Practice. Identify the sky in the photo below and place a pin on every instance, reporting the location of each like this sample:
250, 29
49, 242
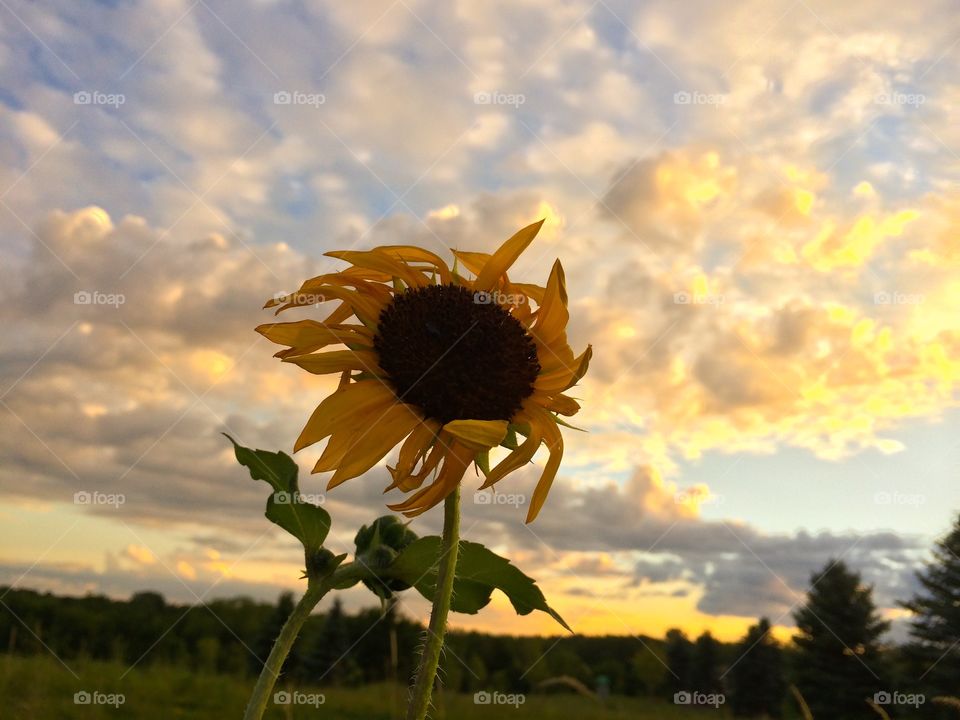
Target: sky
756, 205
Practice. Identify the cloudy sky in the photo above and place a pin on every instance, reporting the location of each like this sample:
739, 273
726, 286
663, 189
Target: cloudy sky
755, 202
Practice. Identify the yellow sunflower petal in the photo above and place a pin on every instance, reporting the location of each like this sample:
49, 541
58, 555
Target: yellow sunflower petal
413, 449
566, 377
553, 316
559, 403
556, 356
457, 458
337, 361
415, 480
340, 441
554, 441
339, 314
365, 305
534, 292
375, 441
314, 335
342, 408
582, 364
367, 300
381, 262
472, 261
505, 256
478, 434
411, 253
516, 459
524, 315
310, 291
362, 273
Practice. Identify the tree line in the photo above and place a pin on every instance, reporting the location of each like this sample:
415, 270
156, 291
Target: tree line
837, 659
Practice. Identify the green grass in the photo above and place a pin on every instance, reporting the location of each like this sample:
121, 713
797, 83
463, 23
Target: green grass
40, 688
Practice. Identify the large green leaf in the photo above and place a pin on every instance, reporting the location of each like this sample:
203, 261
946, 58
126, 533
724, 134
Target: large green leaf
479, 571
277, 468
307, 522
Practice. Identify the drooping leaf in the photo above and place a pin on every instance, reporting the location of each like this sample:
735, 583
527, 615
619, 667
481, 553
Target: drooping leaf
479, 572
307, 522
277, 468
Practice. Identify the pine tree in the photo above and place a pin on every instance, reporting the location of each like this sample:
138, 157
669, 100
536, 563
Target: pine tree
934, 650
679, 661
756, 681
705, 668
839, 665
330, 661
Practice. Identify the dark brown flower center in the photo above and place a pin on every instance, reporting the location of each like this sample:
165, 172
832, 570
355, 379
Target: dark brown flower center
455, 354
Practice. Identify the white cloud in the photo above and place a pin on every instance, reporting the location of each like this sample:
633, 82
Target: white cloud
745, 202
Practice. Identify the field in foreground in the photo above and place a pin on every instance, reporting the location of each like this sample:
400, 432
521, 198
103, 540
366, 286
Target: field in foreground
41, 688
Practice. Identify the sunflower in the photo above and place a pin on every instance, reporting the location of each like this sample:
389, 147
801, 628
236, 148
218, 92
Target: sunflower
444, 366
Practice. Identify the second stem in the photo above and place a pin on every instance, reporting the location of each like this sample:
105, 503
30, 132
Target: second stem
430, 658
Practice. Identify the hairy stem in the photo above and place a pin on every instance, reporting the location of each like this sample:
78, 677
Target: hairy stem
316, 589
430, 657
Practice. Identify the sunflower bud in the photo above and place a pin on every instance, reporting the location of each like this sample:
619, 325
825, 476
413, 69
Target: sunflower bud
378, 545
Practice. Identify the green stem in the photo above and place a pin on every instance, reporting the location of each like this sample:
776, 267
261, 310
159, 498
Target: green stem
430, 658
316, 589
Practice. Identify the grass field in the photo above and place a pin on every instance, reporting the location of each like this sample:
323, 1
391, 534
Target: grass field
40, 688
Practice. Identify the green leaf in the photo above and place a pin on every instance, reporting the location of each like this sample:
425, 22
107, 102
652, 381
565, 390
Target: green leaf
482, 460
307, 522
479, 572
277, 468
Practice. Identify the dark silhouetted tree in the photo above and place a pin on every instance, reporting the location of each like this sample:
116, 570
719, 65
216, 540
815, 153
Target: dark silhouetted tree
839, 665
679, 661
755, 680
705, 668
934, 649
329, 661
